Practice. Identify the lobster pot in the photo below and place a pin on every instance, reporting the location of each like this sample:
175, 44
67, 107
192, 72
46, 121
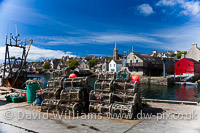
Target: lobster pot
49, 105
107, 76
55, 82
131, 88
105, 86
119, 98
74, 95
71, 108
100, 97
67, 83
45, 94
122, 76
127, 111
125, 87
97, 85
75, 82
124, 98
52, 93
102, 108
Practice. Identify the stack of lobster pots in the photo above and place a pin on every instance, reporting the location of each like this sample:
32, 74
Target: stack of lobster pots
66, 95
115, 95
74, 98
51, 95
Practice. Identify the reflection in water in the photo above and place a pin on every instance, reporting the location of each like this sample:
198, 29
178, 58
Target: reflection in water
183, 93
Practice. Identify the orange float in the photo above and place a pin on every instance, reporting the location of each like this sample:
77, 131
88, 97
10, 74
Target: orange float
72, 76
135, 78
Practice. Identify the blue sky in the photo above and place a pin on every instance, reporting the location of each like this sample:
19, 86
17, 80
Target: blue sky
91, 27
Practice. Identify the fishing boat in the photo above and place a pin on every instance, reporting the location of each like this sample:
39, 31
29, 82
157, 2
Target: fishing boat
186, 83
192, 84
14, 72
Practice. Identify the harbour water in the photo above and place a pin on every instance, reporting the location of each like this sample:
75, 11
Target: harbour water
174, 92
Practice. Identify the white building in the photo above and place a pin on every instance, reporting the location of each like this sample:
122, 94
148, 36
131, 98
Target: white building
115, 66
176, 52
194, 53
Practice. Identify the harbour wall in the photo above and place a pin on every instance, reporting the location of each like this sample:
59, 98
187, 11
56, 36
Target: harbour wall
156, 80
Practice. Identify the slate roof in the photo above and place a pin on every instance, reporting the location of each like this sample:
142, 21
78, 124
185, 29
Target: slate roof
118, 61
192, 60
149, 58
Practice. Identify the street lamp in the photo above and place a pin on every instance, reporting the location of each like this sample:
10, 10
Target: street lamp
164, 63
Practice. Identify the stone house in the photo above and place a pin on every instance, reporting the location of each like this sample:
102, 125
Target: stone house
37, 67
54, 64
105, 66
194, 53
147, 65
83, 65
60, 67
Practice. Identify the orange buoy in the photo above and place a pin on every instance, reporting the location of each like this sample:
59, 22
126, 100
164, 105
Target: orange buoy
72, 76
135, 78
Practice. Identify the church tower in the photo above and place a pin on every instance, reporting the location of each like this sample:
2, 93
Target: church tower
115, 53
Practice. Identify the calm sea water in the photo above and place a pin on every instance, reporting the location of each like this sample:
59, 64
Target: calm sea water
183, 93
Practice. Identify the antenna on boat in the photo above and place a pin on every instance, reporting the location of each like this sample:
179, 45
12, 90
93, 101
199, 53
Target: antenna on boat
16, 29
7, 29
7, 33
17, 35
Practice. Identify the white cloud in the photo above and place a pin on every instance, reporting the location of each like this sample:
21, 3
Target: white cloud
188, 7
192, 7
97, 38
36, 53
110, 38
166, 3
179, 38
145, 9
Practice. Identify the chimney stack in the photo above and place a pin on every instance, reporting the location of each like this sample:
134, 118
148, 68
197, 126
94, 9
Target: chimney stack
182, 56
194, 45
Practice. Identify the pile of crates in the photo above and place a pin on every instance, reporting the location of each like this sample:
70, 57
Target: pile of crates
66, 95
115, 95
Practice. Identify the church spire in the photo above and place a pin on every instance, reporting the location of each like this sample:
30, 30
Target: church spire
115, 53
115, 46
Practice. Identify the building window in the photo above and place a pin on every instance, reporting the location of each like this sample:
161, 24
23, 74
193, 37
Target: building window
189, 64
137, 70
110, 65
131, 61
178, 64
185, 70
136, 61
114, 65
